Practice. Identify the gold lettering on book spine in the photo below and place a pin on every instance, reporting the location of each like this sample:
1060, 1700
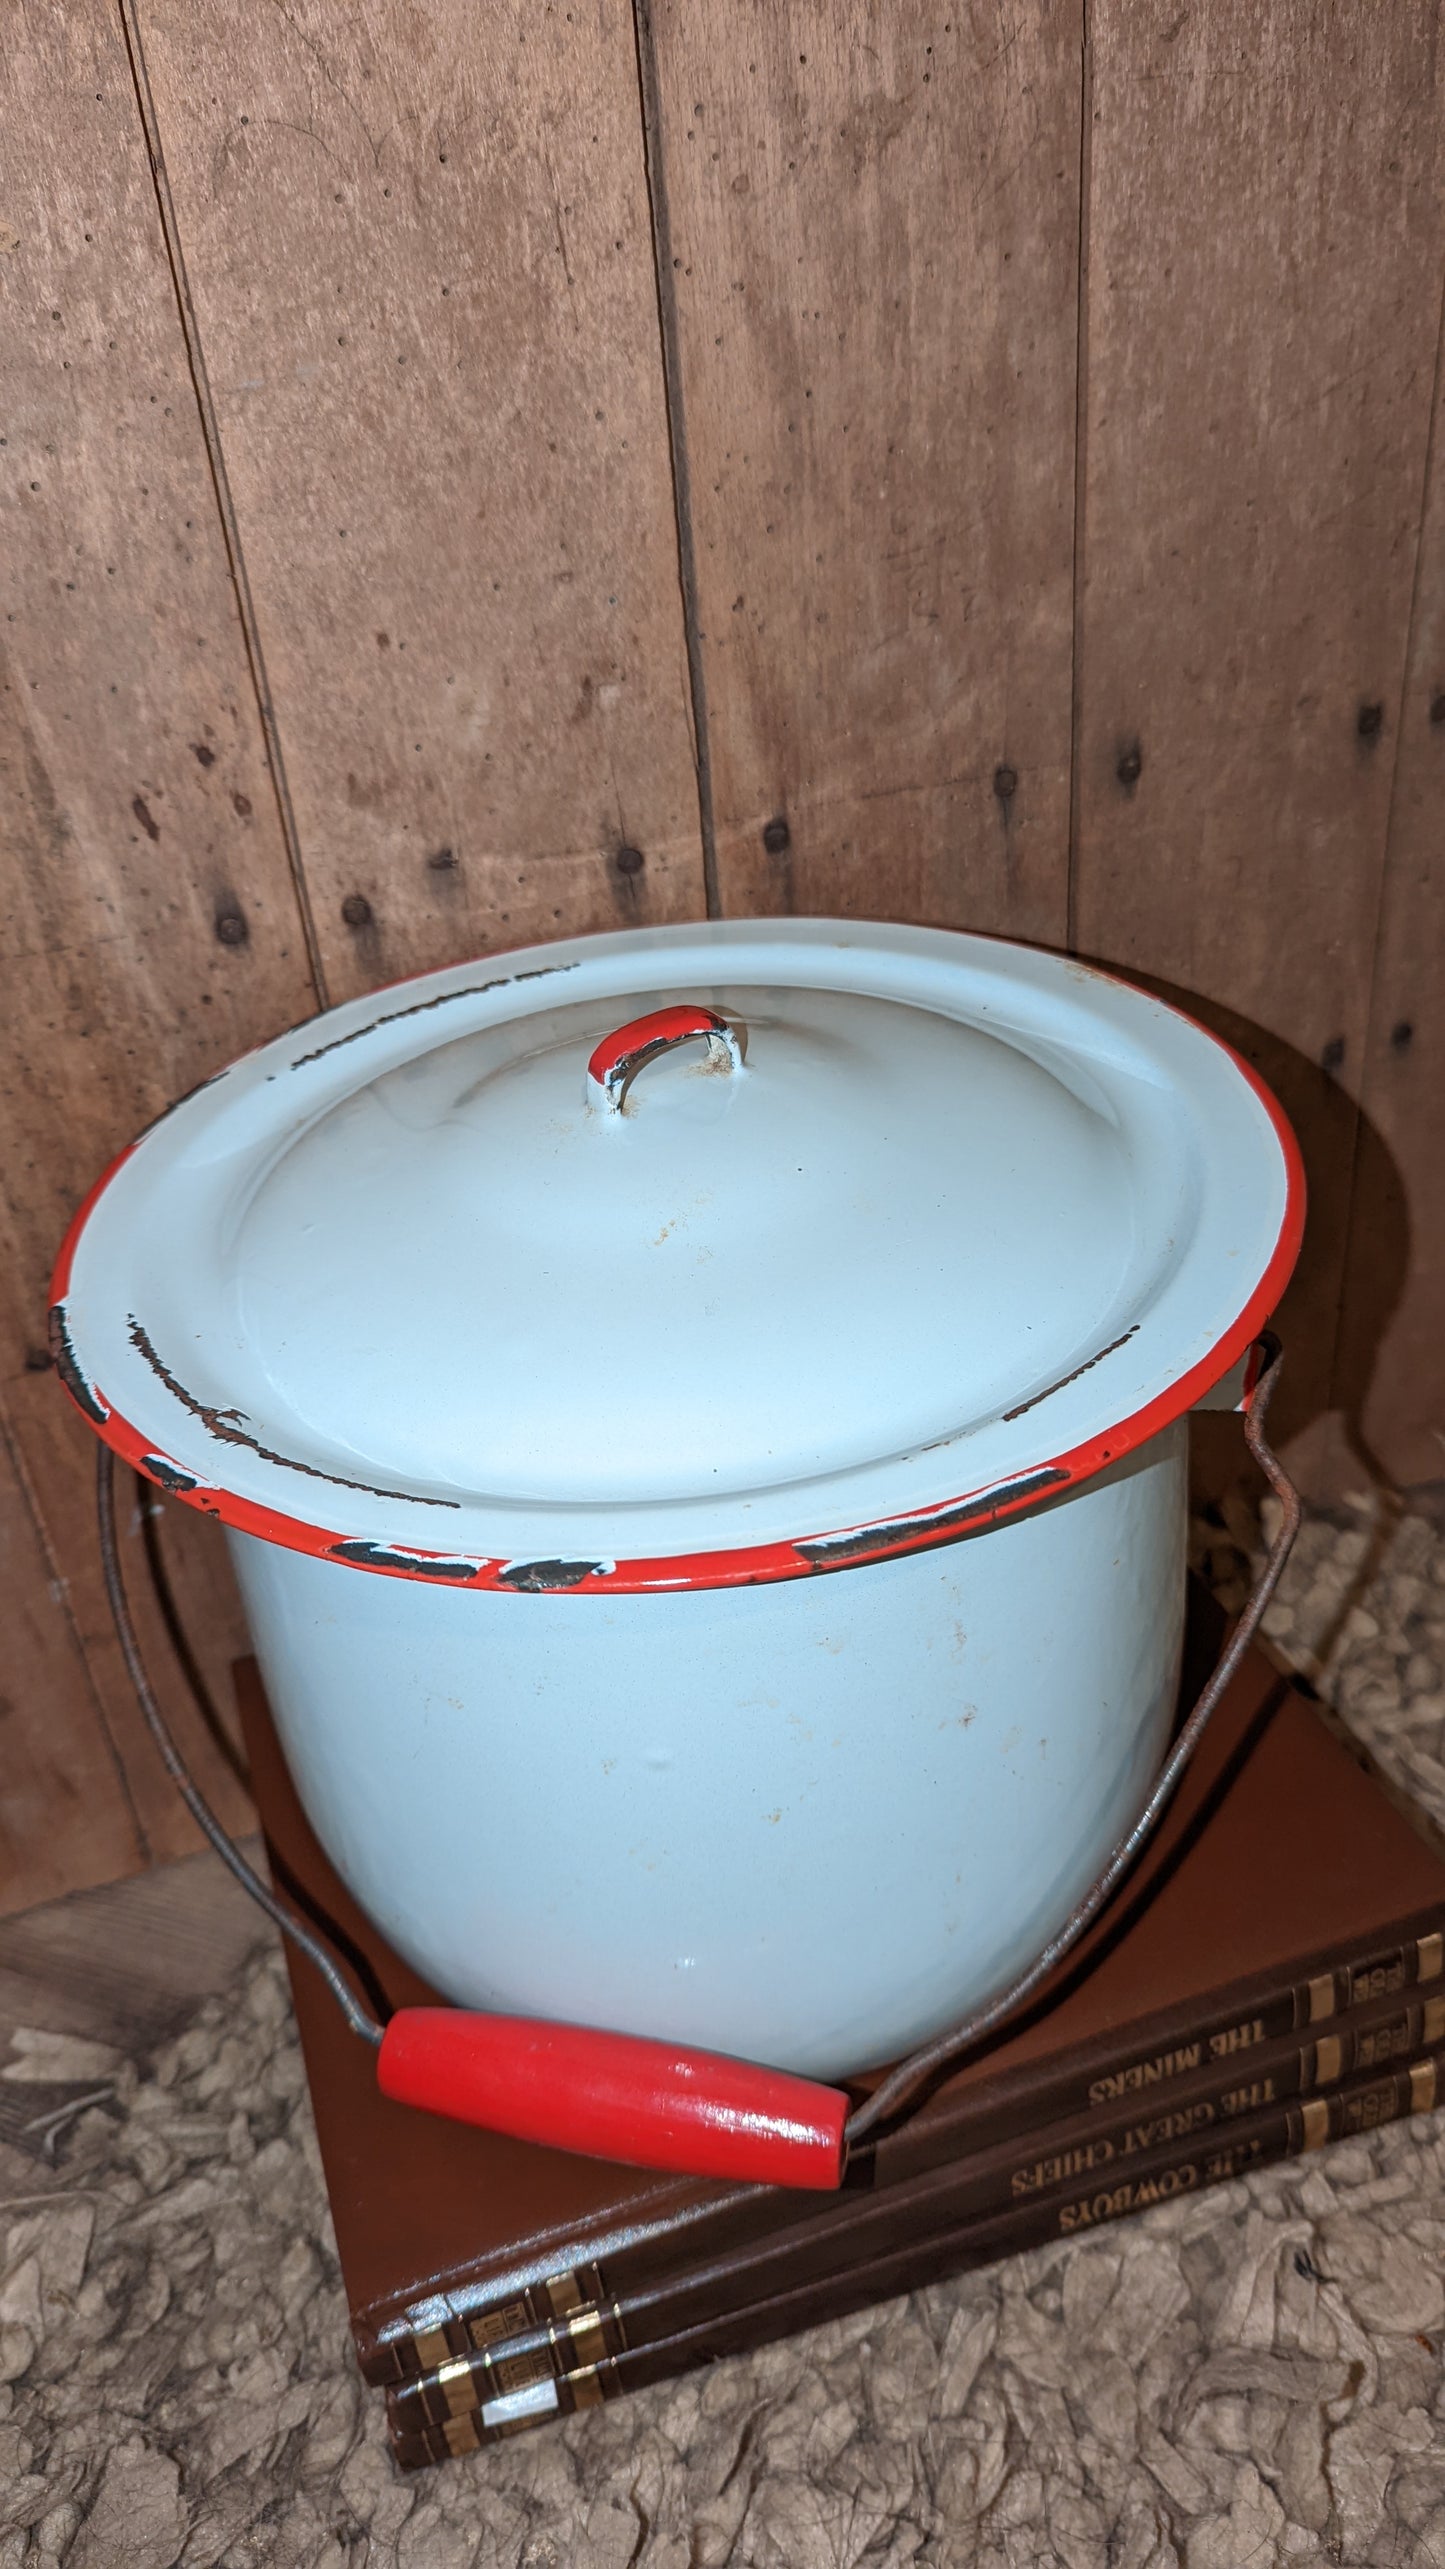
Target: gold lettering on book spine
1078, 2162
1149, 2073
521, 2372
1133, 2196
1250, 2099
1371, 2106
1236, 2038
1382, 1979
504, 2319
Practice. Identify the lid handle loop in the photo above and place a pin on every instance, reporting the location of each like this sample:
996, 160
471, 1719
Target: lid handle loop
620, 1056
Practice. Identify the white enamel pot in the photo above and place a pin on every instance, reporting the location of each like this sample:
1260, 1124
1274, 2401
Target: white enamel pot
700, 1416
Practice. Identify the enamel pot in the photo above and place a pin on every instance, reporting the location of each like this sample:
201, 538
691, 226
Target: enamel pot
700, 1417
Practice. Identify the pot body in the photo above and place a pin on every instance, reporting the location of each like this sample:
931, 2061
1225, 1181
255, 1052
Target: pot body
809, 1823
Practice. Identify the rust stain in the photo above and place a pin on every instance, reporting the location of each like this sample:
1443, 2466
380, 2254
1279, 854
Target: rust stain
832, 1550
421, 1007
224, 1425
160, 1468
540, 1577
385, 1556
1065, 1379
67, 1366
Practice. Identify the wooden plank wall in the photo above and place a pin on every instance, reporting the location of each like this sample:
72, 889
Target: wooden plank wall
1262, 312
872, 260
472, 475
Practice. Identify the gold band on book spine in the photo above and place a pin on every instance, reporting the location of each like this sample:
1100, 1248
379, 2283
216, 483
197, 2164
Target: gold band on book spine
1314, 2123
588, 2335
1423, 2083
455, 2381
1430, 1957
1329, 2059
1322, 1997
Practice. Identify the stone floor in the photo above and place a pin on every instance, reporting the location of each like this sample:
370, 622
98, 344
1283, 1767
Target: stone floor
1251, 2376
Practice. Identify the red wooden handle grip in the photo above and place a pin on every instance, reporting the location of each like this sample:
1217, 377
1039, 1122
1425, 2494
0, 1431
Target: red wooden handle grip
616, 2096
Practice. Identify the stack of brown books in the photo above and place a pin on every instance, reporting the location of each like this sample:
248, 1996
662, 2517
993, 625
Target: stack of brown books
1272, 1976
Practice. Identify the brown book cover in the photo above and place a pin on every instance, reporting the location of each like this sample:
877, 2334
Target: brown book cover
1019, 2175
440, 2422
1283, 1888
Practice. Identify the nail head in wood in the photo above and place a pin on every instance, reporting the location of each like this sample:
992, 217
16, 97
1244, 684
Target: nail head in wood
629, 860
356, 910
1129, 765
1005, 783
777, 837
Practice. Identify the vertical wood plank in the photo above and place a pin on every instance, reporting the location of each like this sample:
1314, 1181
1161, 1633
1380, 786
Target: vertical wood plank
1390, 1374
417, 239
872, 252
1263, 297
148, 920
60, 1456
65, 1816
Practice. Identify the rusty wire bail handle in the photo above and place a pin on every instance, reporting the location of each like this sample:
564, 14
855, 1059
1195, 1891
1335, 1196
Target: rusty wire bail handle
695, 2112
897, 2090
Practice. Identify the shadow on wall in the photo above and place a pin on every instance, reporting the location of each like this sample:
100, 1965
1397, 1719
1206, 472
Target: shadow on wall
1354, 1180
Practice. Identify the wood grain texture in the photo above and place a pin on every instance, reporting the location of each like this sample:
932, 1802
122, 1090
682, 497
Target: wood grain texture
418, 243
1390, 1372
1264, 230
872, 252
65, 1815
60, 1457
148, 925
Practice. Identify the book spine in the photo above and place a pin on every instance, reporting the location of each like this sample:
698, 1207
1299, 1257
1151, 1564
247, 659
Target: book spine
547, 2313
1271, 2076
1164, 2176
1051, 2164
1412, 1957
1159, 2060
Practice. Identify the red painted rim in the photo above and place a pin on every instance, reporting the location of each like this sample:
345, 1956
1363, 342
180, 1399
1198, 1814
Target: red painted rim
754, 1565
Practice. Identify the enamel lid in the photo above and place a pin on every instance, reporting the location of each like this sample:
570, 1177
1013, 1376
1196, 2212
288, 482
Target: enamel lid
681, 1255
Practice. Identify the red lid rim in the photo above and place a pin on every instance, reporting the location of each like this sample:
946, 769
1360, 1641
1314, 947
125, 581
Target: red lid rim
808, 1556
